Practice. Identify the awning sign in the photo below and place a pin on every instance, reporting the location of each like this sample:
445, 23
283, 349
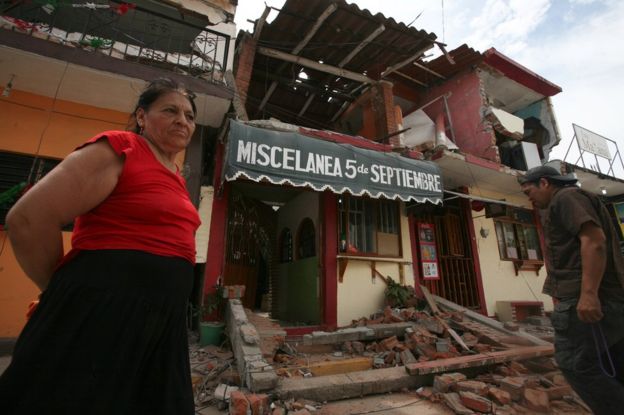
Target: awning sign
295, 159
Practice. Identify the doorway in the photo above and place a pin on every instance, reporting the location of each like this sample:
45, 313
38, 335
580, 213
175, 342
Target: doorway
457, 280
272, 246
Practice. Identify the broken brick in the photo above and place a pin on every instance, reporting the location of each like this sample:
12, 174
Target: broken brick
442, 383
559, 380
259, 404
518, 367
536, 400
390, 343
389, 358
279, 411
407, 357
513, 385
499, 396
453, 401
473, 386
391, 317
238, 404
347, 347
475, 402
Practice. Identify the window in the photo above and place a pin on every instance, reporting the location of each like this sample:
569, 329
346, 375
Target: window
16, 169
368, 226
306, 240
286, 246
517, 236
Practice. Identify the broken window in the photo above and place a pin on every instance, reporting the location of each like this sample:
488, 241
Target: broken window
369, 226
517, 236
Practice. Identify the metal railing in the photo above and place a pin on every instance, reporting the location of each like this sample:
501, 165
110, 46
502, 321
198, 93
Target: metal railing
125, 31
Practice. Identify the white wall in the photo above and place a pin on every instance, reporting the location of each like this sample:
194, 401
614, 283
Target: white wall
358, 294
203, 232
500, 282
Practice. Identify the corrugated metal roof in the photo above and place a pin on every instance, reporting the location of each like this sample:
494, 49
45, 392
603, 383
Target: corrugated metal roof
346, 28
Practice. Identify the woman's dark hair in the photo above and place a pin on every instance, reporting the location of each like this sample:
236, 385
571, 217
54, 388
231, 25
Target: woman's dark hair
155, 90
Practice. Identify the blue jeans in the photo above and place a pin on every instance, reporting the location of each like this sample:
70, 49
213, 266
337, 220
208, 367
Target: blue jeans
583, 366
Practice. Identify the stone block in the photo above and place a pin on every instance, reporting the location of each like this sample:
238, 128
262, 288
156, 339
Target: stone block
381, 331
249, 334
261, 381
475, 402
407, 357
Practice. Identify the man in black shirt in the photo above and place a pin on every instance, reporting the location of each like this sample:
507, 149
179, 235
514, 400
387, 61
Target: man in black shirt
586, 278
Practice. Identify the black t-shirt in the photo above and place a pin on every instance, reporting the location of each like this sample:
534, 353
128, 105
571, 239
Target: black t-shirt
569, 209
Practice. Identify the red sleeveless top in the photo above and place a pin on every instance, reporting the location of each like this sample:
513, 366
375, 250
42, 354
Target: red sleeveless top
149, 210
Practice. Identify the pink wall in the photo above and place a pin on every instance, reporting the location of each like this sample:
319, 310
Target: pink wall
472, 135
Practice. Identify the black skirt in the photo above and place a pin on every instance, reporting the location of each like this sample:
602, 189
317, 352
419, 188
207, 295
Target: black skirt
109, 337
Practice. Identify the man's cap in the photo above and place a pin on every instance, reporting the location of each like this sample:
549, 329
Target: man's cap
536, 173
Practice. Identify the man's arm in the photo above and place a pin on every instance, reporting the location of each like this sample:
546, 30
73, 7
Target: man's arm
593, 261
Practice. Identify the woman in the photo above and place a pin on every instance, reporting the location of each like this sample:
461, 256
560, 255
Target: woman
109, 335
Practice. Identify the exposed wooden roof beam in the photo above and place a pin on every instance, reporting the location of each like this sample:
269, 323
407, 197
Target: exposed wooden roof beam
347, 59
446, 54
260, 22
326, 13
309, 63
424, 68
416, 81
361, 46
403, 63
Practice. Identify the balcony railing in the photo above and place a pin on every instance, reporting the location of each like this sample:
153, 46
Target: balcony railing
145, 32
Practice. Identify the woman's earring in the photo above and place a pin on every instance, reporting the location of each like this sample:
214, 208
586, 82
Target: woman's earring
141, 130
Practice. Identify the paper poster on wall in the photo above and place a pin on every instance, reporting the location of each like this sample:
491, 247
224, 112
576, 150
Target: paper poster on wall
619, 214
428, 253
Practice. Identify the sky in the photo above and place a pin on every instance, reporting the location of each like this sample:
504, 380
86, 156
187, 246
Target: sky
571, 43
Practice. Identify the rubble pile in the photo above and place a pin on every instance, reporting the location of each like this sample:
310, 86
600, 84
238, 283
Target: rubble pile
509, 389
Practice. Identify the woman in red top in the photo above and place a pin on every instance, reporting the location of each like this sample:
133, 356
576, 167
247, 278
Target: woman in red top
109, 335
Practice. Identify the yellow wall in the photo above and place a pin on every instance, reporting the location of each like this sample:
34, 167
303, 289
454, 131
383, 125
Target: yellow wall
25, 122
16, 290
358, 294
500, 282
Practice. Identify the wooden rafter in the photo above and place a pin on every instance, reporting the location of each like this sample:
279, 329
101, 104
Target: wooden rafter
424, 68
346, 60
416, 81
326, 13
404, 62
309, 63
260, 22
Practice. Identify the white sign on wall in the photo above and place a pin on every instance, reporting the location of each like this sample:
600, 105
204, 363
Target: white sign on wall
592, 142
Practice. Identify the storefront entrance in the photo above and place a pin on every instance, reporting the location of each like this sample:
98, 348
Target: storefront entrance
272, 247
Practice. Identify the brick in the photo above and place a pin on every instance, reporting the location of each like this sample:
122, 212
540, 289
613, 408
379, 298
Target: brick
558, 392
443, 383
453, 401
536, 400
473, 386
475, 402
391, 317
279, 411
407, 357
499, 396
238, 404
514, 386
505, 410
390, 343
259, 404
300, 412
230, 377
518, 367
